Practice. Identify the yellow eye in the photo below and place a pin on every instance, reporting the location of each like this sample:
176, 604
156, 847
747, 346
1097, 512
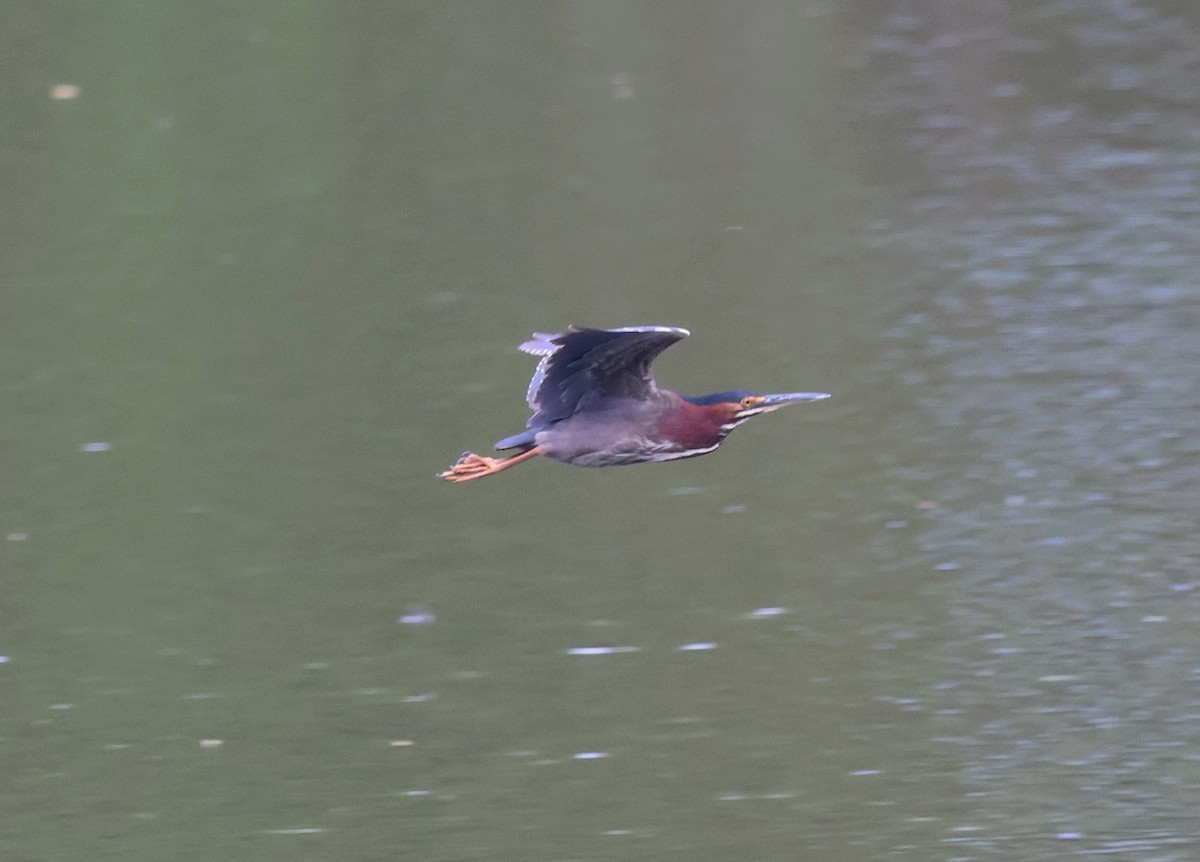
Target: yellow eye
749, 401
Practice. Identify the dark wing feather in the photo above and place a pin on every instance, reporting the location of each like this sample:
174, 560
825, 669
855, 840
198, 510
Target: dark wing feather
602, 362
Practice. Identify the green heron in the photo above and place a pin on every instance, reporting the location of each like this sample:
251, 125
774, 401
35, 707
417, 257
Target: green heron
596, 404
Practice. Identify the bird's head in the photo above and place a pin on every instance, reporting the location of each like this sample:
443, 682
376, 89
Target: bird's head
737, 405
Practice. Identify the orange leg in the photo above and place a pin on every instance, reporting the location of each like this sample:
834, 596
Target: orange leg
472, 466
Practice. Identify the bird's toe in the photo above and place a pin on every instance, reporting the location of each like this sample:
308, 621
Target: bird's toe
468, 466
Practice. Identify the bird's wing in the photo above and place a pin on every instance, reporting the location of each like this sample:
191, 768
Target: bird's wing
607, 362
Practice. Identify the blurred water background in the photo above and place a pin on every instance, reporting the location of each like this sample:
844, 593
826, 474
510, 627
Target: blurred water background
263, 271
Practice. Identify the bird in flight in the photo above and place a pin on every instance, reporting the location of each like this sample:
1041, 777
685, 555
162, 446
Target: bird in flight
595, 403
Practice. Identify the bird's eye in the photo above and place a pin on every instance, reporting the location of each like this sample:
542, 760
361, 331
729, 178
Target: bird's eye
749, 401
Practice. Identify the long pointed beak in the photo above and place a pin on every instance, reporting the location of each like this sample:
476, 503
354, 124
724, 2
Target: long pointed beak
773, 402
768, 403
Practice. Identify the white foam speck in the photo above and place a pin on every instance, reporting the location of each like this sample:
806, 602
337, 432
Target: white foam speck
417, 615
767, 613
602, 650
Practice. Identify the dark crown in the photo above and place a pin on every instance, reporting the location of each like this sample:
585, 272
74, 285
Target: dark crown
730, 396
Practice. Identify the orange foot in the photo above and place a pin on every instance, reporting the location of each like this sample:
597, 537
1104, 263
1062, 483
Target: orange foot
472, 466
